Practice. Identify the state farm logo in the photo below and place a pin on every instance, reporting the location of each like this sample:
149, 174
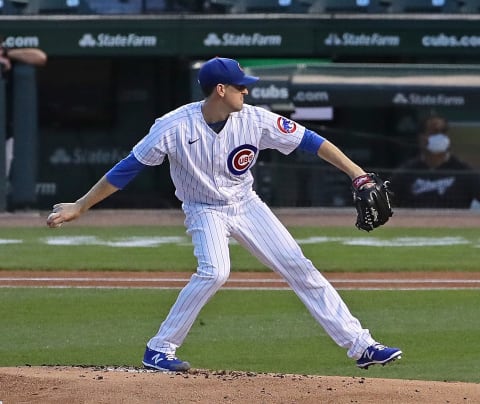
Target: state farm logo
247, 40
428, 99
270, 92
400, 98
79, 156
106, 40
361, 40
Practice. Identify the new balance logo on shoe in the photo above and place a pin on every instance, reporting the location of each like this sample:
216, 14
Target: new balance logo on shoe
378, 354
157, 358
163, 361
369, 354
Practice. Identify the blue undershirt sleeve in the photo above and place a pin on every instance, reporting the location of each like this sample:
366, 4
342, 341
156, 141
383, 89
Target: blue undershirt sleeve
311, 141
124, 171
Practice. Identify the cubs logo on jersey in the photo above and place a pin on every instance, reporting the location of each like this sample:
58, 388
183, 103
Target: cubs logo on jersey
286, 125
241, 158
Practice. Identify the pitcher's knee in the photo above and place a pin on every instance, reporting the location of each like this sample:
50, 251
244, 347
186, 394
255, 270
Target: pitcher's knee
214, 278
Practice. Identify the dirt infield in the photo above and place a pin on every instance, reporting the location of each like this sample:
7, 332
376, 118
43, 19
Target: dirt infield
288, 216
129, 385
238, 280
97, 385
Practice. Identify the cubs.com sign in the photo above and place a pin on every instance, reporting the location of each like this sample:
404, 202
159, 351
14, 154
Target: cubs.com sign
21, 42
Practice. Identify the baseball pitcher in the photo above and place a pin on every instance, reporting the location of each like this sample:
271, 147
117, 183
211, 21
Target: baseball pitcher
211, 146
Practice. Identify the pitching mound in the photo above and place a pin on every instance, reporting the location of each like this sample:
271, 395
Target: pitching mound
122, 385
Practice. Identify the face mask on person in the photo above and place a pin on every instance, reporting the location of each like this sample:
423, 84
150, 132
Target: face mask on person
438, 143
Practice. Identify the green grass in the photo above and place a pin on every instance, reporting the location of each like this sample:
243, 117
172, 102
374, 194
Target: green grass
261, 331
337, 254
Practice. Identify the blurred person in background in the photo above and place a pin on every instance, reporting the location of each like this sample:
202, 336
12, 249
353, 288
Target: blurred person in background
435, 178
8, 58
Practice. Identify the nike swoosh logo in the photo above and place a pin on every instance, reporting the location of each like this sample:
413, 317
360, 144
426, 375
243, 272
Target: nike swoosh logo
193, 141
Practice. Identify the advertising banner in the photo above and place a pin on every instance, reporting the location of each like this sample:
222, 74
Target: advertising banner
369, 85
196, 36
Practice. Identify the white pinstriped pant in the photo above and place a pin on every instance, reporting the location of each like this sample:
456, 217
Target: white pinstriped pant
253, 225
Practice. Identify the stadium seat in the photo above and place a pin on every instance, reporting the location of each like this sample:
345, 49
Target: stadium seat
176, 6
260, 6
116, 6
61, 6
347, 6
469, 6
426, 6
226, 6
45, 6
160, 6
274, 6
13, 7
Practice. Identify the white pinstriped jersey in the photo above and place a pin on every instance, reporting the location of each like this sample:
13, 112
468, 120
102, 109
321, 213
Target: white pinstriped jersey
211, 173
214, 168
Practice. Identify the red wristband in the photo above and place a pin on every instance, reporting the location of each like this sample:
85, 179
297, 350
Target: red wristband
360, 181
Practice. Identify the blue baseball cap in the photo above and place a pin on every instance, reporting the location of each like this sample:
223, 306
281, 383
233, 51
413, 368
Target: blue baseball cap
223, 71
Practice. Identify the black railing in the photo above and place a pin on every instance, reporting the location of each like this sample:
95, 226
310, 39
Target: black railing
319, 185
237, 6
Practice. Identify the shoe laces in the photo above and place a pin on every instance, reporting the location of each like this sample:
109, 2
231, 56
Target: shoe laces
170, 357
